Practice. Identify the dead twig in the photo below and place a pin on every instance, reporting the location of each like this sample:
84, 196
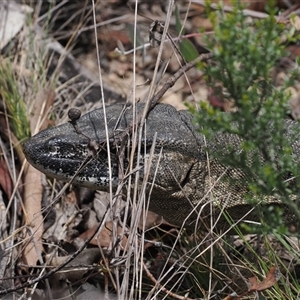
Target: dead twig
165, 290
55, 270
155, 99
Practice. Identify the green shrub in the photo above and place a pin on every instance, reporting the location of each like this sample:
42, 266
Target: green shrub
244, 57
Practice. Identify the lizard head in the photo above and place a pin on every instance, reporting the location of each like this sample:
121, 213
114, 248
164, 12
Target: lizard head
62, 153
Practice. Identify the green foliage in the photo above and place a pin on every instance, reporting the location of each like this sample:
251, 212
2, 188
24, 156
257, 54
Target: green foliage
31, 71
186, 47
9, 91
244, 57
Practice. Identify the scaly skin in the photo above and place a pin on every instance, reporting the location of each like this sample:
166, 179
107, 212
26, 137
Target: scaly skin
189, 186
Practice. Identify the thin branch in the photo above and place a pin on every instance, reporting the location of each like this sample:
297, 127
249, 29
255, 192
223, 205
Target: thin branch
155, 99
53, 271
165, 290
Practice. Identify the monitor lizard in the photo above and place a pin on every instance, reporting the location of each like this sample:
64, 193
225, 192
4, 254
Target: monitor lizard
187, 185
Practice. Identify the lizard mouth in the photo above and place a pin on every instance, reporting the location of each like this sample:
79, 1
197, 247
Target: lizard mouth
54, 155
66, 161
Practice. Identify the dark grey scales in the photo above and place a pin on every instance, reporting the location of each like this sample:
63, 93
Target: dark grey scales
186, 179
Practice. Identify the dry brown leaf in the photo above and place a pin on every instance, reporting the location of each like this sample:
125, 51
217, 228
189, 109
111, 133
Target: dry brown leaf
201, 22
175, 99
44, 100
295, 107
255, 286
71, 197
33, 216
259, 5
296, 22
231, 297
5, 179
104, 238
152, 220
215, 99
75, 269
33, 189
270, 280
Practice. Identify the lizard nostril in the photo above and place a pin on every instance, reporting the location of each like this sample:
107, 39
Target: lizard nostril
52, 147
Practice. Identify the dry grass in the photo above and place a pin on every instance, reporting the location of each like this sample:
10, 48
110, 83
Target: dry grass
160, 263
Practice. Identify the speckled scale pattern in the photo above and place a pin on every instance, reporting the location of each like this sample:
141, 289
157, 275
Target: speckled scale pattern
189, 188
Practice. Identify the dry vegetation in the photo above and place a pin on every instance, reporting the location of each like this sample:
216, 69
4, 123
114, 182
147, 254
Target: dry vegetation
53, 64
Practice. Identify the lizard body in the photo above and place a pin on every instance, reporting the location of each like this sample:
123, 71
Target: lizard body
189, 187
